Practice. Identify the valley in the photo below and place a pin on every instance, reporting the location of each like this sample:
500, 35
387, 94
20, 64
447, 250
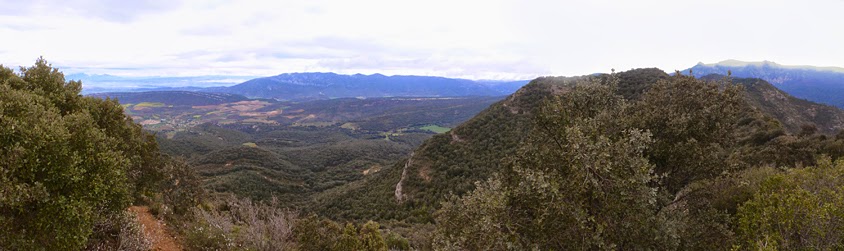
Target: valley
263, 148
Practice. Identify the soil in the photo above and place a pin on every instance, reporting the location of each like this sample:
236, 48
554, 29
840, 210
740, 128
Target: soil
155, 230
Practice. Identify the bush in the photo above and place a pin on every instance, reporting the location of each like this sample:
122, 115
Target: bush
119, 232
798, 210
395, 241
68, 162
241, 224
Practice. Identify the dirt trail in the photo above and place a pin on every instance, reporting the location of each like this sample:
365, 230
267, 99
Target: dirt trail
155, 230
399, 195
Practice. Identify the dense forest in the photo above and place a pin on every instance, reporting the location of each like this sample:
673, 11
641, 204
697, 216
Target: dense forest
637, 160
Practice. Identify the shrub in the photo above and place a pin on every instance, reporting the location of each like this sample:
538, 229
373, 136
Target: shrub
241, 224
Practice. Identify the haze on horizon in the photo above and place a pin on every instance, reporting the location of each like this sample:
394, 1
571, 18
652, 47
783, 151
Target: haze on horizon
494, 39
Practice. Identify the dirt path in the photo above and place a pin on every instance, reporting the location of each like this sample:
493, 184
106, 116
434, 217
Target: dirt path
155, 230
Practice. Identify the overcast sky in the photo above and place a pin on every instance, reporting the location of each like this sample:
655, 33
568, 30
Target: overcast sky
489, 39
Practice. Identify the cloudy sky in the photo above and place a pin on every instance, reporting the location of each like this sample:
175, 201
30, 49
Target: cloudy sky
489, 39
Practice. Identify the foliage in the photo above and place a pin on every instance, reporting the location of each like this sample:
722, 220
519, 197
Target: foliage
370, 237
580, 182
693, 124
395, 241
236, 224
314, 233
800, 209
119, 232
182, 188
68, 161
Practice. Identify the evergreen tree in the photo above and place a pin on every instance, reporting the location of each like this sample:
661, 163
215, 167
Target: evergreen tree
68, 161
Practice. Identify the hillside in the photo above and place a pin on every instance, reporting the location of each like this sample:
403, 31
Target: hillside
309, 86
446, 163
792, 112
818, 84
451, 163
301, 148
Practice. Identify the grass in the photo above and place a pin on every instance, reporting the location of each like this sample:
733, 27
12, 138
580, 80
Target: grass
250, 144
149, 104
435, 128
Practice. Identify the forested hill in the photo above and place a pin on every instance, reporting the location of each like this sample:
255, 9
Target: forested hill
794, 113
451, 163
309, 86
818, 84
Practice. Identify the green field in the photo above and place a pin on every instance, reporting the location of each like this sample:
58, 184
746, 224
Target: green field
149, 104
435, 128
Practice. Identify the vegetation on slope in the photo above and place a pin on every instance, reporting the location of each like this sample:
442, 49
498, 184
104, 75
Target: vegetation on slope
70, 163
664, 172
702, 133
817, 84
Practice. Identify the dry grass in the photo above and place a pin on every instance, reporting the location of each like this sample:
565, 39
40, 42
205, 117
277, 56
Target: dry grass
234, 223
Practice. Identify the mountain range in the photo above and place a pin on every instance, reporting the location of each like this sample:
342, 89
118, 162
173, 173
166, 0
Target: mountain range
304, 86
310, 86
99, 83
818, 84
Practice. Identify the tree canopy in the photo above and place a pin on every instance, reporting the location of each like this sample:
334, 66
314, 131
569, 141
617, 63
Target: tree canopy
68, 160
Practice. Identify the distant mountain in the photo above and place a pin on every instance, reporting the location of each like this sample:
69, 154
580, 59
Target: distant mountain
818, 84
188, 98
312, 86
98, 83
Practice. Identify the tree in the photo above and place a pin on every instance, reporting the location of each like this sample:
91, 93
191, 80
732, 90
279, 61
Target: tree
581, 181
66, 160
314, 234
370, 237
693, 125
349, 240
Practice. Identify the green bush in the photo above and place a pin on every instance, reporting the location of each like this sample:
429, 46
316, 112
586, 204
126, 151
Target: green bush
68, 161
798, 210
395, 241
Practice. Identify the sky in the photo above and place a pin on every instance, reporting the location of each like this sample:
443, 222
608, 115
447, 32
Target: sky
490, 39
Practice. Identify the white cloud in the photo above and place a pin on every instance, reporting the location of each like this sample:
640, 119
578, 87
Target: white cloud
496, 39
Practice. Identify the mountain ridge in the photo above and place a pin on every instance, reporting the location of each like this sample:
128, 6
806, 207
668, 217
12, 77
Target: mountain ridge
316, 85
817, 84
